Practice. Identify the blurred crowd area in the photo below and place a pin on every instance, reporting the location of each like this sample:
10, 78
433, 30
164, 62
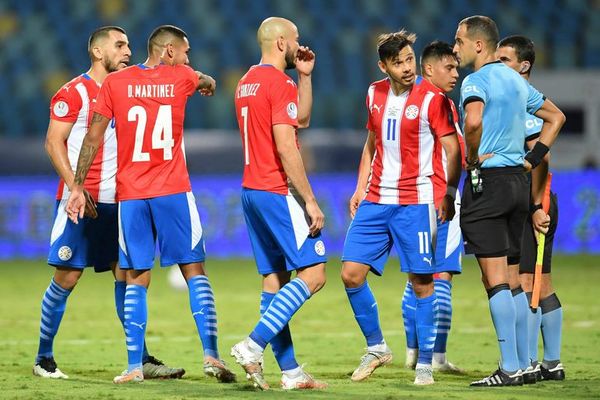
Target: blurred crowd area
43, 45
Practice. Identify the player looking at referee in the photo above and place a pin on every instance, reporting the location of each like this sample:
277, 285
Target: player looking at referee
495, 201
148, 102
519, 54
94, 241
395, 199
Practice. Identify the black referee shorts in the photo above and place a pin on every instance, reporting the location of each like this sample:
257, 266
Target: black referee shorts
492, 221
529, 245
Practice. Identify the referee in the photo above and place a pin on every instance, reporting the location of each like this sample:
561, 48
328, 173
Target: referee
495, 202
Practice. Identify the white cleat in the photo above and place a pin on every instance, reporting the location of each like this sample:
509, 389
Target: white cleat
135, 375
251, 361
446, 367
46, 368
411, 358
303, 381
370, 362
424, 375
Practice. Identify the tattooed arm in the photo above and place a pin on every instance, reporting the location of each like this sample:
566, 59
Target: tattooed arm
89, 148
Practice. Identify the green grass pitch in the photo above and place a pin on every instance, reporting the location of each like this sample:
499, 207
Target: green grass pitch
90, 346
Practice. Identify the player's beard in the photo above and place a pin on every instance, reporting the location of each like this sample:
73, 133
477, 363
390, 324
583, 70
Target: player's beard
111, 66
290, 58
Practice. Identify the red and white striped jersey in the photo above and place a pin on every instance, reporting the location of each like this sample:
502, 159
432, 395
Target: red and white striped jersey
74, 102
440, 161
406, 130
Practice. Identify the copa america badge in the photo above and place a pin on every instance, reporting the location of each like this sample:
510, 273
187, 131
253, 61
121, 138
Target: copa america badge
65, 253
320, 248
411, 112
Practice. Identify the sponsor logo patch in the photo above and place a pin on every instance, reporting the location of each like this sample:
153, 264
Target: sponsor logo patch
292, 110
60, 109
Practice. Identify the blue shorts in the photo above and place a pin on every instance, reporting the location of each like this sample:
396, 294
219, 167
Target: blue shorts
91, 242
376, 227
172, 219
278, 231
449, 245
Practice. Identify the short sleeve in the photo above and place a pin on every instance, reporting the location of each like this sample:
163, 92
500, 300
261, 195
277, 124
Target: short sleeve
66, 104
104, 104
441, 119
473, 89
370, 125
284, 102
534, 100
191, 80
533, 125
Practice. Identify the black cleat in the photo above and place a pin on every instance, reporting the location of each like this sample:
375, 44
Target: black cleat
529, 377
500, 378
553, 374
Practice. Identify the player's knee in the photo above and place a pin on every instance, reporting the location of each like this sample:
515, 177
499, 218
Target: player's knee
314, 277
67, 279
352, 278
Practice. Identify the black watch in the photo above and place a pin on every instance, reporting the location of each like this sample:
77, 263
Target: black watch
534, 207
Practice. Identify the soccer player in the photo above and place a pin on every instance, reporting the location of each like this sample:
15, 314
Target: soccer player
407, 117
519, 54
439, 66
495, 101
94, 242
283, 218
147, 102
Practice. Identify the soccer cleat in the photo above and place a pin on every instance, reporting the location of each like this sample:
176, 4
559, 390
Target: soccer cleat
500, 378
553, 374
135, 375
251, 362
46, 368
153, 368
446, 367
303, 381
218, 369
424, 375
530, 375
411, 358
370, 362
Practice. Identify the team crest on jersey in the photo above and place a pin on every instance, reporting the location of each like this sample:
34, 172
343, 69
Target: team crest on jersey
292, 110
65, 253
411, 112
60, 109
320, 248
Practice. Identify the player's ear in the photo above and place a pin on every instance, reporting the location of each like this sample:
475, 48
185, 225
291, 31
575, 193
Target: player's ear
525, 67
427, 69
97, 52
382, 66
169, 50
281, 43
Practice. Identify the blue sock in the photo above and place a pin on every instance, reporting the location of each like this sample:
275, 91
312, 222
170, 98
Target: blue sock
366, 313
534, 322
552, 317
284, 305
522, 326
53, 309
202, 303
502, 308
282, 345
409, 308
443, 292
136, 319
427, 317
119, 300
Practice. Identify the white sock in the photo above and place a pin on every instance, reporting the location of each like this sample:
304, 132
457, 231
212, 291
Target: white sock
379, 348
254, 347
292, 373
439, 358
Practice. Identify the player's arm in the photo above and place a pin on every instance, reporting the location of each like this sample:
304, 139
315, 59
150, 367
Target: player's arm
553, 119
452, 148
305, 63
91, 143
285, 141
364, 170
539, 177
473, 126
206, 84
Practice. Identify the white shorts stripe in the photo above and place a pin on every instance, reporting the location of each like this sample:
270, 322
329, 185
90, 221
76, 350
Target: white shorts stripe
194, 219
60, 222
297, 216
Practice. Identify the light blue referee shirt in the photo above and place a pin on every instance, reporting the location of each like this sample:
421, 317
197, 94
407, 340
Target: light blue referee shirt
507, 99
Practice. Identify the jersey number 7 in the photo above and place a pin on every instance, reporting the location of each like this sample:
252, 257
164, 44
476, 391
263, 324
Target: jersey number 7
162, 133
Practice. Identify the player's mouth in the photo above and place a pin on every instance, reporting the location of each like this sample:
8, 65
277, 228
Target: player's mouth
408, 77
124, 62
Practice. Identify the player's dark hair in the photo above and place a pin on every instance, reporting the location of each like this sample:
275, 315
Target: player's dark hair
482, 28
161, 35
437, 50
102, 33
524, 48
390, 44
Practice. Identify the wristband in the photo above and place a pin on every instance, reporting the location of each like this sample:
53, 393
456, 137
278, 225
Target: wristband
535, 155
451, 191
534, 207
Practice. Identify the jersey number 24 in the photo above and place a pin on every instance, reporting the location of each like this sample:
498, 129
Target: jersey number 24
162, 133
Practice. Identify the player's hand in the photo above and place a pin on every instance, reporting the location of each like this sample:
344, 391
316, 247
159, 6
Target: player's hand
446, 209
90, 205
305, 60
527, 166
207, 85
355, 200
317, 219
540, 221
76, 204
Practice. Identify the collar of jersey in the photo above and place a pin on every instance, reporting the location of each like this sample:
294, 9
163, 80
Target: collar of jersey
492, 62
86, 76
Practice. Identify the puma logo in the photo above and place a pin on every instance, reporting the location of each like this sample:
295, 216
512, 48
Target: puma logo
378, 108
198, 312
427, 260
141, 326
374, 305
